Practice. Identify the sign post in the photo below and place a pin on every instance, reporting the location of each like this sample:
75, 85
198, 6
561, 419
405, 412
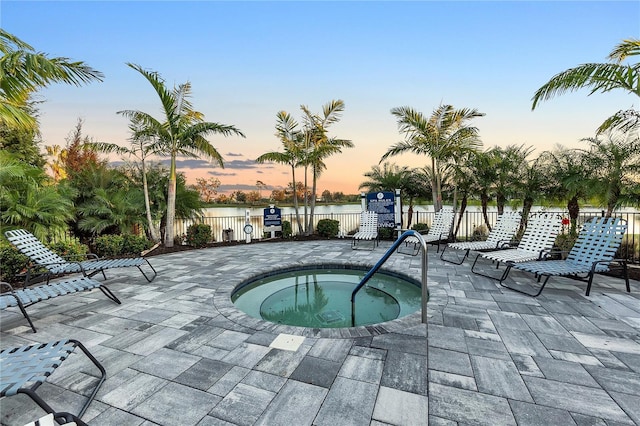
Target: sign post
248, 228
272, 220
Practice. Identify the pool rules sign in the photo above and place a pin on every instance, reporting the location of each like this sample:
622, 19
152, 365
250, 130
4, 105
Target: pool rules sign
388, 206
272, 220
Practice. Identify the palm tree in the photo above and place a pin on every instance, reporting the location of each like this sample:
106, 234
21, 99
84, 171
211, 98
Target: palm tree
386, 178
616, 167
482, 168
320, 146
29, 201
442, 137
390, 177
141, 145
286, 131
23, 71
510, 166
183, 133
601, 78
567, 172
58, 159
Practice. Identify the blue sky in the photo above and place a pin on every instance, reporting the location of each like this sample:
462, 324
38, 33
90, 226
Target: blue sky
248, 60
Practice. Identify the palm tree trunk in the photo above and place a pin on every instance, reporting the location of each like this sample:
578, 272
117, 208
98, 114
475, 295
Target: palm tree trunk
409, 214
314, 186
500, 201
147, 205
306, 202
574, 211
295, 199
463, 207
434, 186
484, 199
171, 204
524, 221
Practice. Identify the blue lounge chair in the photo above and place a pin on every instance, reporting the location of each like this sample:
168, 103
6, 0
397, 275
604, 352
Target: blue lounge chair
24, 369
42, 257
25, 297
593, 252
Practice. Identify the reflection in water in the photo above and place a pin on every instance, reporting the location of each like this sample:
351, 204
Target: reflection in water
321, 298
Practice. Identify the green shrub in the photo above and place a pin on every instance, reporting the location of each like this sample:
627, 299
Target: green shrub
286, 229
386, 233
564, 243
69, 248
108, 245
12, 262
135, 244
198, 235
420, 227
480, 233
328, 228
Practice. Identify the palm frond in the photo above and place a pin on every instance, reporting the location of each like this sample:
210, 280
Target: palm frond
625, 49
597, 77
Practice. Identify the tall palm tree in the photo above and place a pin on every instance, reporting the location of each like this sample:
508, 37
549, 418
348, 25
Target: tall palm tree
442, 137
141, 145
23, 71
286, 131
183, 132
601, 78
319, 145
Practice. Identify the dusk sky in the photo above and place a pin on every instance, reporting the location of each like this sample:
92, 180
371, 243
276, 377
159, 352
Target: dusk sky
248, 60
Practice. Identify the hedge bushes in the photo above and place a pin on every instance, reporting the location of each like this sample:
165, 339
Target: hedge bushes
328, 227
12, 263
199, 235
120, 245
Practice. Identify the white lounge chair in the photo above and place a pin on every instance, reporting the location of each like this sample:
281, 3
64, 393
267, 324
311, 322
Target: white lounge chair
438, 232
536, 244
502, 233
593, 251
368, 230
43, 257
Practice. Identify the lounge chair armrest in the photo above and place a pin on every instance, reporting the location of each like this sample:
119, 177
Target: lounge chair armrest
618, 260
4, 284
74, 257
503, 244
562, 253
544, 254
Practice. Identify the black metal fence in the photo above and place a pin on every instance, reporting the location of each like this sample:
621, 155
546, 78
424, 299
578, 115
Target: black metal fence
231, 228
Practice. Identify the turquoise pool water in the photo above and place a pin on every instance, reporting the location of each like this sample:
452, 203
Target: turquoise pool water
320, 297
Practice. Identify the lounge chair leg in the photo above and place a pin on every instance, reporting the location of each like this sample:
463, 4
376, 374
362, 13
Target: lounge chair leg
109, 294
145, 275
103, 375
589, 283
466, 254
526, 293
24, 313
625, 273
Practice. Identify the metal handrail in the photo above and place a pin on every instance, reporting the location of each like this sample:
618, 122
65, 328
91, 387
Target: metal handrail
383, 259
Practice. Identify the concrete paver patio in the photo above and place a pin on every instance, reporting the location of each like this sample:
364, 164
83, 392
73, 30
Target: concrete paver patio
177, 352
